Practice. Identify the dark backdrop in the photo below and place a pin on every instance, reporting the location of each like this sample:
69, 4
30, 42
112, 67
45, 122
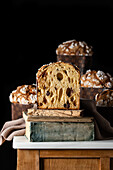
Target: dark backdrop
31, 31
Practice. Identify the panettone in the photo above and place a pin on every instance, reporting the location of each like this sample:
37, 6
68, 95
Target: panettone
73, 47
96, 79
23, 98
104, 98
25, 94
58, 86
75, 52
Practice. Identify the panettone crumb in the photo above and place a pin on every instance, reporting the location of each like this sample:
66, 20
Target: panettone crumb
58, 86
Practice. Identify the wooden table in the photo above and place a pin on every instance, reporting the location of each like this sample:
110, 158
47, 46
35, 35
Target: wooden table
92, 155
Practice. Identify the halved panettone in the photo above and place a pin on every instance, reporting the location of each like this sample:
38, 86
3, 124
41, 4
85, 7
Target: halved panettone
58, 86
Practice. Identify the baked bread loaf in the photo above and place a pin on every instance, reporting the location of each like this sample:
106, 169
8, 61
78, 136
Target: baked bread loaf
104, 98
96, 79
25, 94
73, 47
75, 52
58, 86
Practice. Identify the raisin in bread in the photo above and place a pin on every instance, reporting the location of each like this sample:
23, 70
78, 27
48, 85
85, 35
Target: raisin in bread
58, 86
104, 98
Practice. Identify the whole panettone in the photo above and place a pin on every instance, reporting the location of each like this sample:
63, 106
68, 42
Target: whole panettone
73, 47
93, 82
104, 104
58, 86
96, 79
25, 94
23, 98
104, 98
75, 52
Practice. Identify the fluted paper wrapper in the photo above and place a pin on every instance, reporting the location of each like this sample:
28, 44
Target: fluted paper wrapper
17, 109
84, 63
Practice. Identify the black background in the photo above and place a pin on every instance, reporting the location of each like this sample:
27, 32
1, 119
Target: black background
30, 33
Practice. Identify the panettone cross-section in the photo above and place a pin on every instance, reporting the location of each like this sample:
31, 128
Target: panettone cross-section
58, 86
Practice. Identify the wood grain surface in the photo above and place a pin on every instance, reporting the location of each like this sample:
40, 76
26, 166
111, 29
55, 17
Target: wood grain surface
71, 164
64, 159
28, 159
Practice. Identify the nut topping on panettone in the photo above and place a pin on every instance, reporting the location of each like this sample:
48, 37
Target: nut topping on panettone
96, 79
104, 98
73, 47
25, 94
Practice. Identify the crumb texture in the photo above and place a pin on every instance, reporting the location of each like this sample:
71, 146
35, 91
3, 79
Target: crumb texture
58, 86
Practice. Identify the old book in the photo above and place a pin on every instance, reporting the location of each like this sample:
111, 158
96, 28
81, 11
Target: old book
52, 129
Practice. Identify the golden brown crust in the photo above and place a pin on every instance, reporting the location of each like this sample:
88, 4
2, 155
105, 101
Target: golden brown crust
42, 69
96, 79
104, 98
53, 91
73, 47
25, 94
